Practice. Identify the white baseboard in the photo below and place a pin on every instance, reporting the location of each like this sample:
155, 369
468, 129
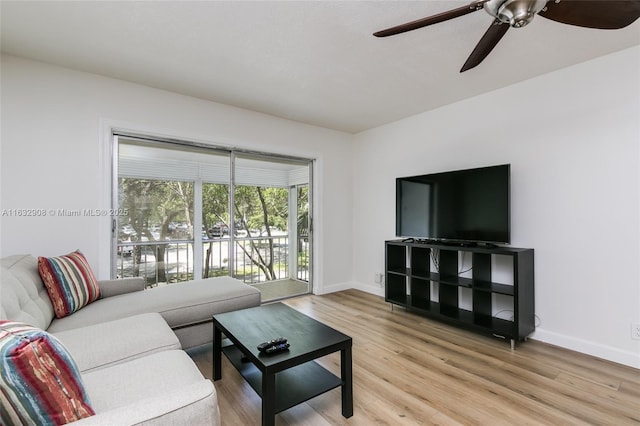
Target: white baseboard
630, 358
334, 287
378, 291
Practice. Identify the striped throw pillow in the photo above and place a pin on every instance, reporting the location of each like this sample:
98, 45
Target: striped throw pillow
70, 282
39, 381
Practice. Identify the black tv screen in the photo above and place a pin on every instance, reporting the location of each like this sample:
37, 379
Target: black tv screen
470, 205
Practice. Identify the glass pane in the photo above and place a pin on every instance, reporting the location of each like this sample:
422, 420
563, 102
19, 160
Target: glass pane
215, 229
270, 198
159, 211
262, 214
171, 192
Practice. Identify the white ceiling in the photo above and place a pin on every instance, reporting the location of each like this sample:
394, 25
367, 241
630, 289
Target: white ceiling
311, 61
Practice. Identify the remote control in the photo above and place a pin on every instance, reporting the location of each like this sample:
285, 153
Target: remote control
277, 348
266, 345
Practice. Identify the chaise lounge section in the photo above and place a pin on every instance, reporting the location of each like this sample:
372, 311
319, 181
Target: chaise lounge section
127, 344
187, 307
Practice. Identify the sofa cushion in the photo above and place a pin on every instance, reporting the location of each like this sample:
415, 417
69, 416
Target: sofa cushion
70, 282
24, 296
180, 304
118, 341
152, 376
39, 380
194, 404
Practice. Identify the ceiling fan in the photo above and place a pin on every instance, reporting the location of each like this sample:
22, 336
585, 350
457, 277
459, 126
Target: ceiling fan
601, 14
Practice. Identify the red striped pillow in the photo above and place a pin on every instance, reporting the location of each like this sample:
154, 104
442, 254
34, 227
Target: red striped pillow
39, 381
70, 282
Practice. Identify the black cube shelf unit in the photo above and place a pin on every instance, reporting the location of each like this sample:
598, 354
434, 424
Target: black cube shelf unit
409, 280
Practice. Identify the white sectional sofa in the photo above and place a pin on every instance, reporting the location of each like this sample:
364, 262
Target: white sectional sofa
128, 344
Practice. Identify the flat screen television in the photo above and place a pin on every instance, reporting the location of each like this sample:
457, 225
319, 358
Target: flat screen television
460, 206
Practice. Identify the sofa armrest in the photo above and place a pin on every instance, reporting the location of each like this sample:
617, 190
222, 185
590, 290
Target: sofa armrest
110, 288
195, 404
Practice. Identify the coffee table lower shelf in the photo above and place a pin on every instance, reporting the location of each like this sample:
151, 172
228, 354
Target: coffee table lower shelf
294, 385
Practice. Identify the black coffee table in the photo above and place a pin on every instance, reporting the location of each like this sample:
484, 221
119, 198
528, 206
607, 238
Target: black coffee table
288, 378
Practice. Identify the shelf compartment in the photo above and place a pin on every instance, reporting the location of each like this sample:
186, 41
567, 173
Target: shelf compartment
398, 271
468, 283
396, 258
445, 279
493, 287
497, 326
420, 261
293, 386
396, 289
400, 300
430, 276
420, 288
467, 319
455, 281
424, 305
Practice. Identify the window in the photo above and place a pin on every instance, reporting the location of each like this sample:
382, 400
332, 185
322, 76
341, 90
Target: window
179, 226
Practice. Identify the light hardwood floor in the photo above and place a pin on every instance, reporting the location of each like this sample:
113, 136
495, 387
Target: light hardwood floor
408, 370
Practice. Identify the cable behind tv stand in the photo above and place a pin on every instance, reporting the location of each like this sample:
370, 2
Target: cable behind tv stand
415, 283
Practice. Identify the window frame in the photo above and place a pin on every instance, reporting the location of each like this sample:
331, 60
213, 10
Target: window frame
232, 153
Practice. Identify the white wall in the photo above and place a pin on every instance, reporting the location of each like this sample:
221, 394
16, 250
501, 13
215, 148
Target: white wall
572, 138
54, 122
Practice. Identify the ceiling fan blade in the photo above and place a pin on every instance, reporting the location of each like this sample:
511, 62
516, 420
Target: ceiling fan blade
601, 14
489, 40
430, 20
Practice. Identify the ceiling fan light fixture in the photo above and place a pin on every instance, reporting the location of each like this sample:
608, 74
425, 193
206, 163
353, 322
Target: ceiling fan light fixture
518, 13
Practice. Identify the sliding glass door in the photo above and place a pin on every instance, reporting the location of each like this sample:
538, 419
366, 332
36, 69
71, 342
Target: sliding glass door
196, 212
270, 200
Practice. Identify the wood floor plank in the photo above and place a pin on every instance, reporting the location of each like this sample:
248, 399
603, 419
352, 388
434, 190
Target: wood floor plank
409, 370
630, 388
